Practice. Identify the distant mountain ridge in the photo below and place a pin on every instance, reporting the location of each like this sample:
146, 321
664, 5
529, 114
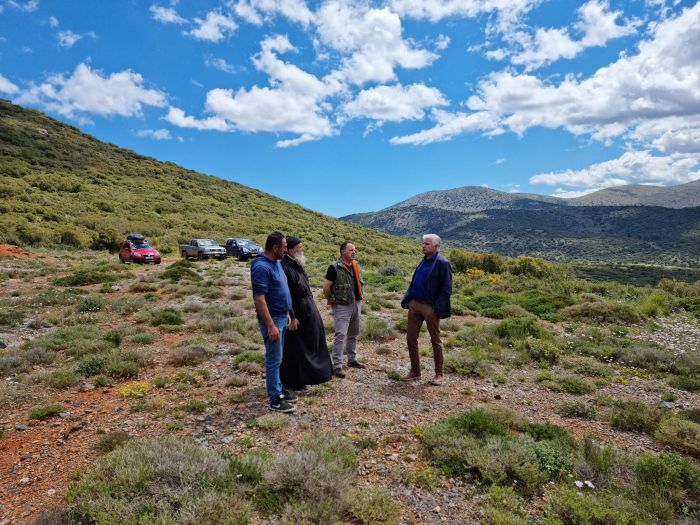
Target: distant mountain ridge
477, 198
627, 224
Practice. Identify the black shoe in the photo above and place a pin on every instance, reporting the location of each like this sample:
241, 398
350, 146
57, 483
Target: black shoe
338, 372
356, 364
281, 405
289, 396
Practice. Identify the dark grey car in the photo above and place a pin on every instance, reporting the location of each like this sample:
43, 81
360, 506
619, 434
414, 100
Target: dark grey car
242, 249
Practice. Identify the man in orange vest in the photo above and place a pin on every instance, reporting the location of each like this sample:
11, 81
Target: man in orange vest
343, 287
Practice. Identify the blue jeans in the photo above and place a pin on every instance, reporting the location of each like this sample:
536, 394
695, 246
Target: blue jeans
273, 357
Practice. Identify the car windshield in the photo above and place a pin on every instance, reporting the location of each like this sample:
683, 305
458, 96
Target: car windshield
207, 242
141, 245
247, 244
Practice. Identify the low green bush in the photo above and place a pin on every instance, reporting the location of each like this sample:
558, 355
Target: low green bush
188, 356
688, 383
514, 328
91, 304
598, 311
576, 410
61, 379
42, 412
167, 316
374, 507
636, 416
86, 277
468, 362
376, 329
567, 506
681, 434
180, 270
249, 356
542, 351
564, 383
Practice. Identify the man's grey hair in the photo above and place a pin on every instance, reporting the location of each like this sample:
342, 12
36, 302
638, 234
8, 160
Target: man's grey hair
435, 239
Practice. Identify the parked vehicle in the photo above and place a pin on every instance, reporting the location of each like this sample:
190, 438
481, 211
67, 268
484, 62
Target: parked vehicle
242, 249
135, 249
202, 249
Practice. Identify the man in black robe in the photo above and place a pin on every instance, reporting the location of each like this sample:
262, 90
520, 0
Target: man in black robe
305, 360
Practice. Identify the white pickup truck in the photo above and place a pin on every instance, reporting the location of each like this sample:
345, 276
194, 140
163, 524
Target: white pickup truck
202, 249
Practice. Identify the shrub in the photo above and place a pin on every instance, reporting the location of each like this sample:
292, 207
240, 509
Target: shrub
681, 434
575, 409
635, 416
571, 507
272, 421
249, 357
467, 363
127, 485
518, 328
375, 507
110, 441
666, 483
42, 412
91, 304
692, 414
503, 506
76, 341
599, 311
180, 270
390, 270
563, 383
167, 316
688, 383
144, 338
91, 364
587, 367
188, 356
542, 351
85, 277
61, 379
542, 303
376, 329
236, 381
646, 357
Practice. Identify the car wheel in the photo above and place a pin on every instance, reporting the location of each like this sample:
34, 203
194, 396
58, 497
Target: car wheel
157, 262
200, 256
240, 257
184, 255
121, 259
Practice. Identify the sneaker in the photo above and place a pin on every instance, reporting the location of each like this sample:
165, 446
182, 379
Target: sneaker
356, 364
436, 381
281, 405
289, 396
411, 376
338, 372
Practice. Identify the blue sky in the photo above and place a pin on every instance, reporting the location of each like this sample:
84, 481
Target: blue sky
346, 106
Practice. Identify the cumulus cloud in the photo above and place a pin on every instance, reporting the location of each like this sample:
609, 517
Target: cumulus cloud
156, 134
27, 7
370, 41
89, 92
449, 125
596, 23
214, 28
633, 167
292, 103
53, 21
394, 103
68, 38
7, 87
166, 15
255, 11
661, 84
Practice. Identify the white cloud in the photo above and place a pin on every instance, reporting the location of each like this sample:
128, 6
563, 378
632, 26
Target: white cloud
633, 167
7, 87
449, 125
156, 134
178, 118
166, 15
27, 7
222, 65
661, 84
214, 28
87, 91
596, 23
253, 11
53, 21
370, 40
572, 194
394, 103
442, 42
293, 103
68, 38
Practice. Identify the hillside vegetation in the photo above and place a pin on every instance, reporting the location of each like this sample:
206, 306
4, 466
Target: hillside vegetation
59, 186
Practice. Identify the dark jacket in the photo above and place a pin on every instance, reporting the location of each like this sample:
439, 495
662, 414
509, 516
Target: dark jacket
438, 286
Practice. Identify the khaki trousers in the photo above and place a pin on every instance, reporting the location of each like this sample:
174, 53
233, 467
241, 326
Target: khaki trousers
417, 313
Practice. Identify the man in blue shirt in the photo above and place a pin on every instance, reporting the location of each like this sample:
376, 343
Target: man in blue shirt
428, 299
273, 304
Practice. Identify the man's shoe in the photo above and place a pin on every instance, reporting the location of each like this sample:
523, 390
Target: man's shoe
289, 396
435, 381
411, 376
338, 372
356, 364
281, 405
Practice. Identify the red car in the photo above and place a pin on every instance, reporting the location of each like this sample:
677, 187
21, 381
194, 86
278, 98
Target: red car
136, 249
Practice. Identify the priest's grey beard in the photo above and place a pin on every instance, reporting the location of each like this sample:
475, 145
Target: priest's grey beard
300, 258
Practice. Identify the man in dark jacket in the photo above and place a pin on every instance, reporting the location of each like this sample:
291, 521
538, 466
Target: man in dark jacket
428, 299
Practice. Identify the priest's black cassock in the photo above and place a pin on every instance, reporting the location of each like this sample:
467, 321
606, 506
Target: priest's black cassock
305, 359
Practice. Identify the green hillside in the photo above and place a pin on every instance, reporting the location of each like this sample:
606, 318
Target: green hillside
59, 186
600, 234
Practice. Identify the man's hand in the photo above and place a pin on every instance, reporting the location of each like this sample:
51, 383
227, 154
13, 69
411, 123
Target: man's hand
273, 333
293, 325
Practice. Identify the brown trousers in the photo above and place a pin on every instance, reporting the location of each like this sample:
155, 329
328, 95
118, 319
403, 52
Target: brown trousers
417, 313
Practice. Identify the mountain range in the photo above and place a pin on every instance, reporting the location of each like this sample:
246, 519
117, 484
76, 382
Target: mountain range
626, 224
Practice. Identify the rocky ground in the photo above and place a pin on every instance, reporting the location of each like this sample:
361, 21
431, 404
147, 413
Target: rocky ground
38, 459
